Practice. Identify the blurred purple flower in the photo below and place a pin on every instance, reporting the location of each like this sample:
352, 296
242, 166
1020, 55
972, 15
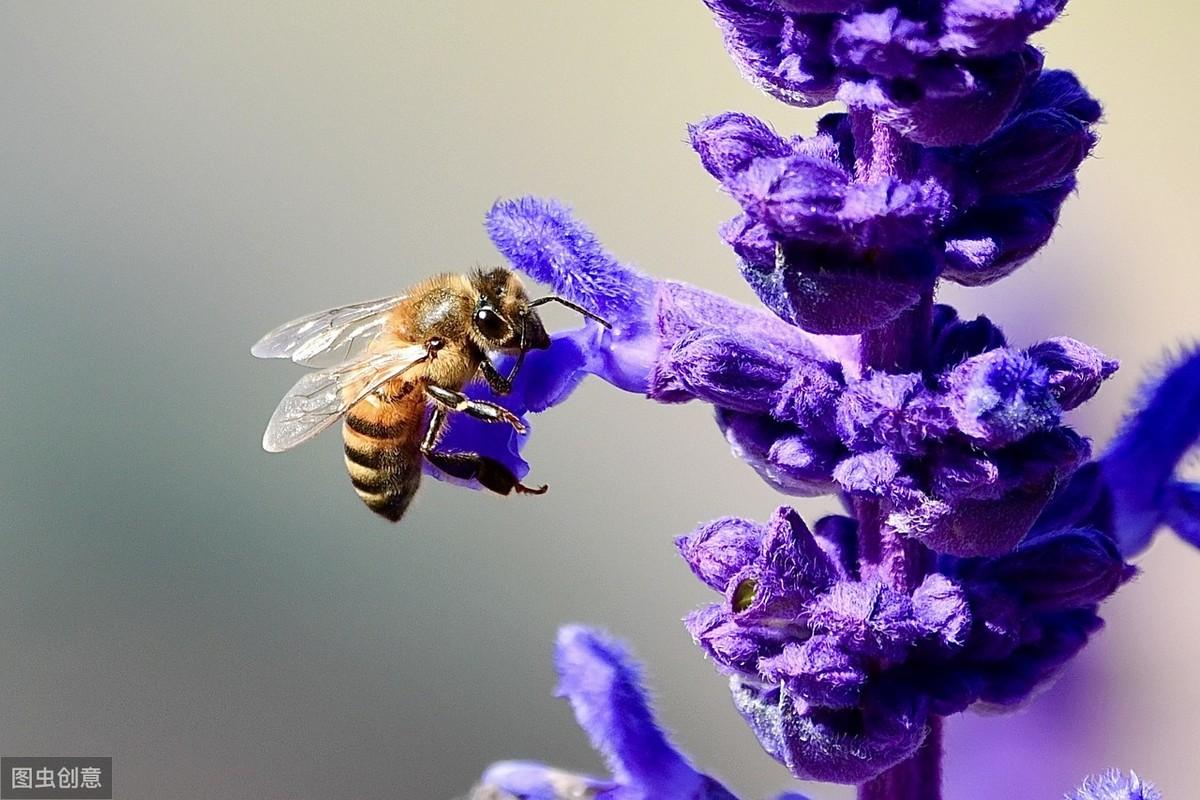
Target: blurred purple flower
1115, 785
603, 684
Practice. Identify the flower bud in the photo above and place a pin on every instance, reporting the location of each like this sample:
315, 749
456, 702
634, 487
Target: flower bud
1076, 370
718, 550
728, 142
1037, 150
819, 671
1061, 570
999, 397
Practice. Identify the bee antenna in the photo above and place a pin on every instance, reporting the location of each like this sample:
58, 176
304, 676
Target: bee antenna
553, 298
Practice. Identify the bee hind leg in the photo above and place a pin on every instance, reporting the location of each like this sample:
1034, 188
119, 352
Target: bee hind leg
489, 472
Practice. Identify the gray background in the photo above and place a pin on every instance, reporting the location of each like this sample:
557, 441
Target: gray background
177, 178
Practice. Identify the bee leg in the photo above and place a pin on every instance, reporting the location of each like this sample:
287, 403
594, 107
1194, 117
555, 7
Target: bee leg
500, 384
490, 473
479, 409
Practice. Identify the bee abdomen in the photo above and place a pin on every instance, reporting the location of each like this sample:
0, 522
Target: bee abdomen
384, 461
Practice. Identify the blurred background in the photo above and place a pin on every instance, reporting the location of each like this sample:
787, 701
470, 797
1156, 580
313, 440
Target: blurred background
175, 179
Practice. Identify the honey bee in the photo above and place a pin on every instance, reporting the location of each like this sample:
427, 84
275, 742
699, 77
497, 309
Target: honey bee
417, 352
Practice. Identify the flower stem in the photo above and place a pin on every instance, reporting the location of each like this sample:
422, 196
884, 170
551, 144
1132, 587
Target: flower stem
919, 778
879, 151
899, 346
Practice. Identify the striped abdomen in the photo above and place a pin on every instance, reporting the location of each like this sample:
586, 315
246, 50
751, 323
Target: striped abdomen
382, 438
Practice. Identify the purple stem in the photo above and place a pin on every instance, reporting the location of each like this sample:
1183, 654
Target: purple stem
919, 778
899, 346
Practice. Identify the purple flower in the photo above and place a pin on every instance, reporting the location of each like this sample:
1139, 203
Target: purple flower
1115, 785
650, 319
983, 537
837, 672
963, 456
603, 684
964, 460
940, 73
832, 246
836, 669
543, 240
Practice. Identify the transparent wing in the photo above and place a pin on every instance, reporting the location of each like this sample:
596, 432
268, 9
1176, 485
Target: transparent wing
305, 339
320, 399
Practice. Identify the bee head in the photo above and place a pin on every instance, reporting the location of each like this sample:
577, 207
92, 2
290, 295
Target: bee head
503, 318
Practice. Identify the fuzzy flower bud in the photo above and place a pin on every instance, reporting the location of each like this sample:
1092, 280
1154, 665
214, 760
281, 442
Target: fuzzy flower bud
942, 74
1115, 785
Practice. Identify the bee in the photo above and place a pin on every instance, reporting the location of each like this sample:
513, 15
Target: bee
417, 351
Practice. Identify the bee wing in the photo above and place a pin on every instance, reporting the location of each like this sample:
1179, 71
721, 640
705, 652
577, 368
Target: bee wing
305, 339
320, 399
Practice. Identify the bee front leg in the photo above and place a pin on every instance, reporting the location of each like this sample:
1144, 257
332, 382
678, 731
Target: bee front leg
500, 384
490, 473
479, 409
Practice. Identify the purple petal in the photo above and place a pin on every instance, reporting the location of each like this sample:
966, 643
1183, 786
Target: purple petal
987, 27
867, 619
893, 214
684, 309
1075, 369
543, 239
603, 683
871, 412
796, 197
808, 396
959, 102
785, 55
791, 570
837, 536
468, 435
956, 340
968, 528
1140, 462
819, 671
834, 291
1061, 90
718, 550
1037, 150
991, 240
873, 473
735, 649
883, 44
941, 608
1001, 396
1051, 641
958, 474
1065, 569
841, 746
1182, 511
783, 455
728, 142
718, 368
546, 379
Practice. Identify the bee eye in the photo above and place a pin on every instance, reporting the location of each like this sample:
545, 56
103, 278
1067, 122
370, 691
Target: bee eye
490, 324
